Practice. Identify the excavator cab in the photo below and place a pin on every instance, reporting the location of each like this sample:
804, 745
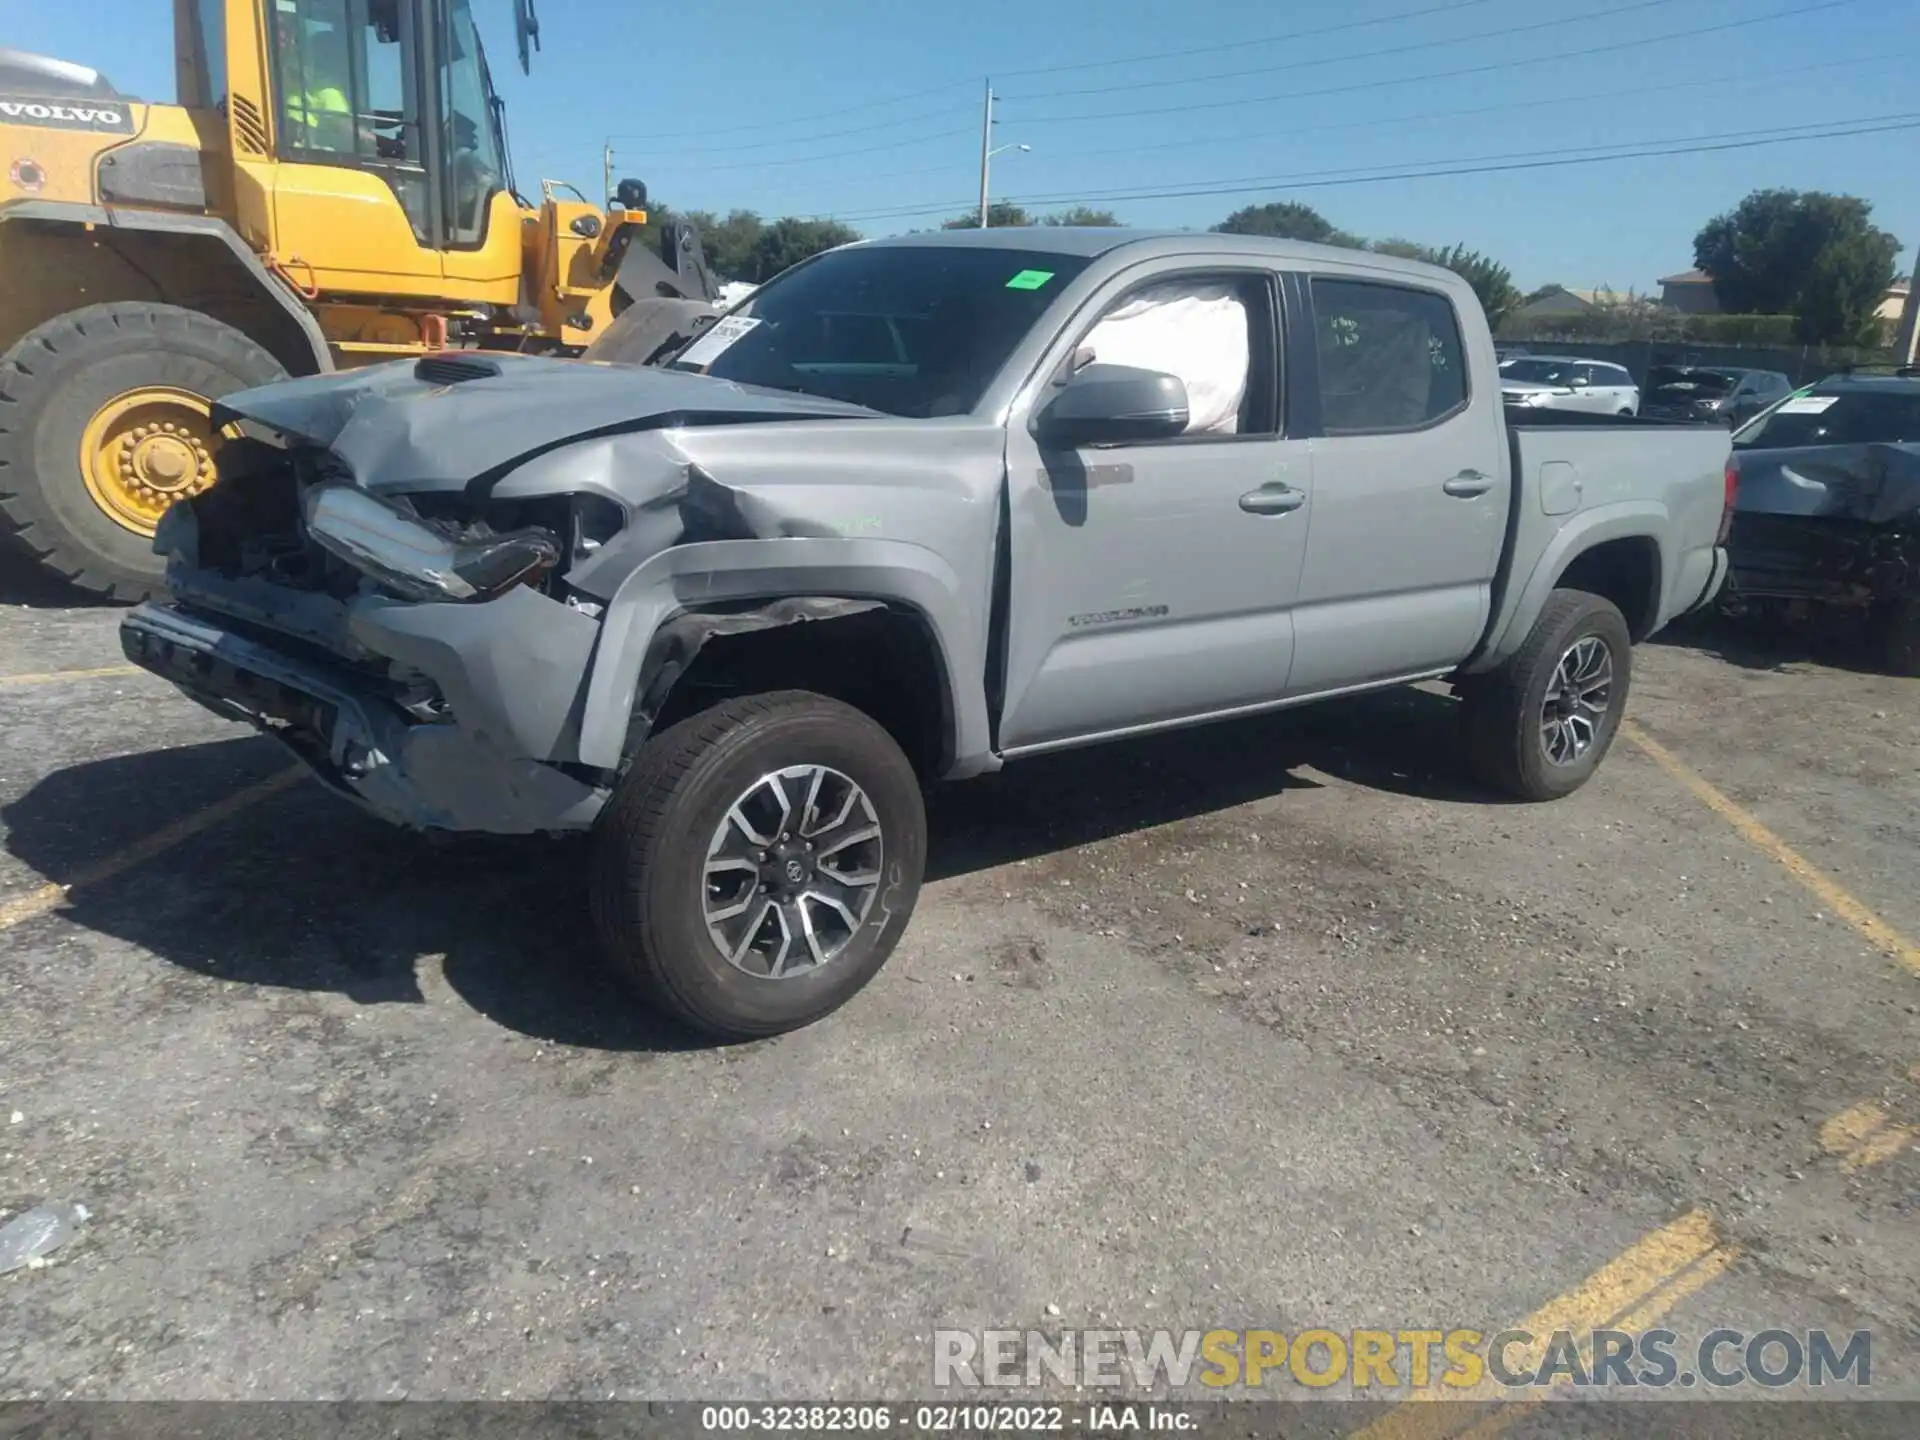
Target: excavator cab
333, 188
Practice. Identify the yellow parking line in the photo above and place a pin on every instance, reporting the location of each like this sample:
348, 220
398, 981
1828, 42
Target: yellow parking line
48, 897
1863, 1135
1870, 926
1631, 1292
53, 677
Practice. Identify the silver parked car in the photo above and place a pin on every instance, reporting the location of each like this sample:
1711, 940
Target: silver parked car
1567, 382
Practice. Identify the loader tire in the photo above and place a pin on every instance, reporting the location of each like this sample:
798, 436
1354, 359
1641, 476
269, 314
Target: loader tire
103, 424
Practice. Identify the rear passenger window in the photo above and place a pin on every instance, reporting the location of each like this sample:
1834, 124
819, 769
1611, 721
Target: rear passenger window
1391, 358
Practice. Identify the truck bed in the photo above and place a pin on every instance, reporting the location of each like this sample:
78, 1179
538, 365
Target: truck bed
1566, 464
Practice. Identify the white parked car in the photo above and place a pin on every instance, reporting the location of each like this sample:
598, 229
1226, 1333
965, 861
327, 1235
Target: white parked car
1567, 382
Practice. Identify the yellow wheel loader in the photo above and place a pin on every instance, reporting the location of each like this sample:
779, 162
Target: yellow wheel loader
332, 189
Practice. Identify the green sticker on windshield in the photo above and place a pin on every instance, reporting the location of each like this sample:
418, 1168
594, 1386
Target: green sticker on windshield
1029, 280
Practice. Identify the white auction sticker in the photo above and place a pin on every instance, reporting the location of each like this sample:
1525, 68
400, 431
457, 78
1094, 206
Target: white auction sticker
1808, 405
715, 343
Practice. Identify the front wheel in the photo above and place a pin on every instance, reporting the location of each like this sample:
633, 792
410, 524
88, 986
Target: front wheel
759, 863
1539, 725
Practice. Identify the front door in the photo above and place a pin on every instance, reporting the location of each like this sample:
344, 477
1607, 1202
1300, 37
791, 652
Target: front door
353, 202
1410, 485
1152, 582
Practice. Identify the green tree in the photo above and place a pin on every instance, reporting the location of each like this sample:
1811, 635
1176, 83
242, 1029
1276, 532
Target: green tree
1286, 220
999, 213
1805, 253
1492, 282
789, 240
1081, 215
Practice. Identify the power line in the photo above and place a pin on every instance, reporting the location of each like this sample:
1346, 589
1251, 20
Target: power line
1251, 41
702, 167
1646, 150
893, 124
1210, 187
1879, 60
1487, 69
1559, 22
1882, 60
801, 119
1159, 55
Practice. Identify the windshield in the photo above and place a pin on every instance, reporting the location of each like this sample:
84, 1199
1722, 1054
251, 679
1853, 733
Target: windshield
1848, 417
1691, 382
904, 329
1538, 372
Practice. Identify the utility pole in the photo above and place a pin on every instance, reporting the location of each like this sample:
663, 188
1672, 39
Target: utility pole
606, 172
986, 150
1903, 349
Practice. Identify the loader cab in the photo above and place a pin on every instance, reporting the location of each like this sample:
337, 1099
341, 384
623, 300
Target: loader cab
374, 158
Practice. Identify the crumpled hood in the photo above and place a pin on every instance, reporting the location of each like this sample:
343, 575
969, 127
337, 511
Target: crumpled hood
1874, 484
455, 417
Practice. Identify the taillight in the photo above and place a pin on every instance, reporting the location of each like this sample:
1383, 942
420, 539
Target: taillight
1726, 504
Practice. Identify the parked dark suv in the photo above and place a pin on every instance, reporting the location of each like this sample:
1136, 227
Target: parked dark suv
1827, 508
1710, 392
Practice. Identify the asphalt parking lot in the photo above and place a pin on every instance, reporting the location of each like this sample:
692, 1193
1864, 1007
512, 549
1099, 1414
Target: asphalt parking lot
1274, 1024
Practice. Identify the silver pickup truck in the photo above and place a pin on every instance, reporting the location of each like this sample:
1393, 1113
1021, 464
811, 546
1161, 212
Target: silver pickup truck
916, 509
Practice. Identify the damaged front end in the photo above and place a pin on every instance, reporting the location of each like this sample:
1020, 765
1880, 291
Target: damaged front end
361, 586
420, 663
1827, 528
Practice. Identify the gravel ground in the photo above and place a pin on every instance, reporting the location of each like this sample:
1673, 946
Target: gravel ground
1272, 1024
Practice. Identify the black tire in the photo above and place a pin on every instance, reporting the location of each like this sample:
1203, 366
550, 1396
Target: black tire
53, 382
650, 852
1502, 710
1896, 635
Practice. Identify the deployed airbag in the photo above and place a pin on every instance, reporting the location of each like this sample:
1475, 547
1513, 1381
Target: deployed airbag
1198, 333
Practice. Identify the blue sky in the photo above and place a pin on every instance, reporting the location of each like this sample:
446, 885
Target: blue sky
858, 107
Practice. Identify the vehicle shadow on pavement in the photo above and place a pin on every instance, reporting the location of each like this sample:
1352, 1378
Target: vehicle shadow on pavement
21, 584
1403, 741
1753, 644
302, 891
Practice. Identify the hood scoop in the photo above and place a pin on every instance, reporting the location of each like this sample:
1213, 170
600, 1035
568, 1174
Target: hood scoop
455, 369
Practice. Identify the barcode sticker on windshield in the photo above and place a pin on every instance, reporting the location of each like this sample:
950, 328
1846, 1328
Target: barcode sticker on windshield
1808, 404
716, 342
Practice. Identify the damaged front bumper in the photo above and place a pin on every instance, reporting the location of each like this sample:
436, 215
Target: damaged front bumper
459, 760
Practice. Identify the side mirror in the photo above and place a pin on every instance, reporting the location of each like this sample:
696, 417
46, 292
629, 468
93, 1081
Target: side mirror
1109, 404
630, 195
1576, 383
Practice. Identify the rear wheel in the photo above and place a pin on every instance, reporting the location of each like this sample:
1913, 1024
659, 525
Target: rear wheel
1538, 726
1896, 633
105, 421
759, 863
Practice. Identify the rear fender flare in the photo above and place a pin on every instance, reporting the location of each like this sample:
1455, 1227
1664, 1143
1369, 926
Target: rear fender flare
725, 572
1628, 520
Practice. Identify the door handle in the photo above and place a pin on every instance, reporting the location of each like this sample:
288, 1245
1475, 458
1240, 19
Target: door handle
1468, 483
1275, 499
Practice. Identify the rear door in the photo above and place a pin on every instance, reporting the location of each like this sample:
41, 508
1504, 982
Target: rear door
1622, 395
1410, 485
1153, 582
